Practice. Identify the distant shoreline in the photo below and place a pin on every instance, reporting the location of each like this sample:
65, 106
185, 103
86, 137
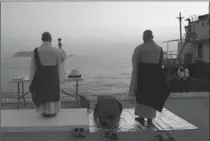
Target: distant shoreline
23, 54
29, 54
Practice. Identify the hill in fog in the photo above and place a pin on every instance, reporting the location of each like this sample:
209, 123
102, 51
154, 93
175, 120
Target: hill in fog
23, 54
29, 54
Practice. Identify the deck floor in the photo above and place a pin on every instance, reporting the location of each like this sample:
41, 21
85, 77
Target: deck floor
193, 110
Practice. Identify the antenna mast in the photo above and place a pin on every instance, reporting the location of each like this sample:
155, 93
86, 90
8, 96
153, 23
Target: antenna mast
180, 25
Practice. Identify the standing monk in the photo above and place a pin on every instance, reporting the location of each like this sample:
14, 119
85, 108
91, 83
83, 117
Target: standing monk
62, 64
148, 81
44, 77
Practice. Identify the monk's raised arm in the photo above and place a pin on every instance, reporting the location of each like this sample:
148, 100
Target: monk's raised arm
63, 55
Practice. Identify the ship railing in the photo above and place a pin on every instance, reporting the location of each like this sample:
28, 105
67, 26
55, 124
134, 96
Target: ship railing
170, 55
93, 97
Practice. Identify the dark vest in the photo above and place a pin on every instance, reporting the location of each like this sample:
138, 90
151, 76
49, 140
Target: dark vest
45, 86
152, 87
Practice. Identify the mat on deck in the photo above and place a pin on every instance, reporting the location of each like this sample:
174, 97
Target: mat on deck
164, 121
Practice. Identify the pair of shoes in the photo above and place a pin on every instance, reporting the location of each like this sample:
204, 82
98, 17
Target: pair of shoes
78, 132
48, 115
142, 122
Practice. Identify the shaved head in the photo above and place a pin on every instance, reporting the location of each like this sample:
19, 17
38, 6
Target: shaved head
147, 35
46, 37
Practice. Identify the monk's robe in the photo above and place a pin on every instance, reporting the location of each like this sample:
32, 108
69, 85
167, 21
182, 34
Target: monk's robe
45, 78
148, 81
62, 65
152, 88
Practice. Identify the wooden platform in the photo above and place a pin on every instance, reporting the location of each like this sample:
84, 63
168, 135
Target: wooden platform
30, 121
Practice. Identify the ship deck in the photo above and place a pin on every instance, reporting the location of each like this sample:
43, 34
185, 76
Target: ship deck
192, 109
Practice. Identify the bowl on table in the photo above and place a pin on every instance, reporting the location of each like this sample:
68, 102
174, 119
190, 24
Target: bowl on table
75, 74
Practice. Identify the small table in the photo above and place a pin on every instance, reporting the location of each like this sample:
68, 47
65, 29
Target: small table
77, 88
21, 80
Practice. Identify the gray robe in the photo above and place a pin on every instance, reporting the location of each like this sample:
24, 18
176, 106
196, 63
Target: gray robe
49, 56
145, 53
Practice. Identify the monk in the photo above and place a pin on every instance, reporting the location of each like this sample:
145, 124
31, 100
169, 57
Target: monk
45, 77
107, 110
62, 63
107, 114
148, 82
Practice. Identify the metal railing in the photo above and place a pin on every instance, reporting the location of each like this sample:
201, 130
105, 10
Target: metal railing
170, 54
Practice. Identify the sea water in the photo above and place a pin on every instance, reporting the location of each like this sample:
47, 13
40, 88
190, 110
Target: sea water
106, 70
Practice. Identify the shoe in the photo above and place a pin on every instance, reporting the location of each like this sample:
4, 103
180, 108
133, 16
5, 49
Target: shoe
48, 115
140, 120
149, 122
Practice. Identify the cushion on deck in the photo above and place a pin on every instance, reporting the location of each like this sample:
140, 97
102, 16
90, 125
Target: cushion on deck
30, 121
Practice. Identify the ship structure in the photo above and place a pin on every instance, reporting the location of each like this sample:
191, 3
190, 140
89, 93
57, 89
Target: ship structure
193, 47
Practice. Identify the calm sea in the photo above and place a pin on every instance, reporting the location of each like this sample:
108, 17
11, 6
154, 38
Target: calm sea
106, 70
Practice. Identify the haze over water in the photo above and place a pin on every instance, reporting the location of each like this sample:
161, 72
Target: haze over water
102, 36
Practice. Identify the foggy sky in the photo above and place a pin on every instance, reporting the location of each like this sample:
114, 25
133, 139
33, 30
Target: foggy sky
89, 20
